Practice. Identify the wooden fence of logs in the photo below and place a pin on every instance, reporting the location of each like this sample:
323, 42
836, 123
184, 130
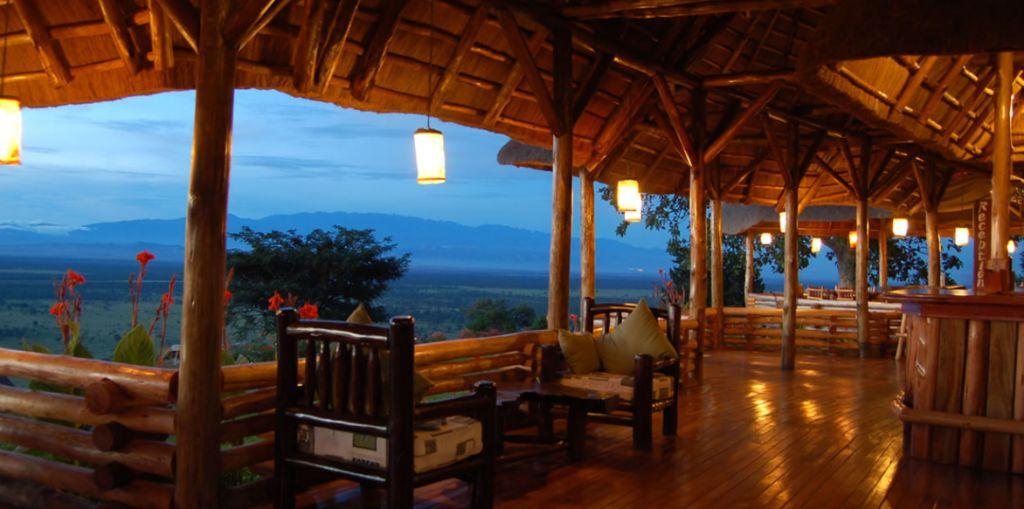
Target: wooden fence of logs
109, 437
822, 330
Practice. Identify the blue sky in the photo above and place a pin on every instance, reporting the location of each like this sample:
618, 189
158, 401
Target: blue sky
129, 159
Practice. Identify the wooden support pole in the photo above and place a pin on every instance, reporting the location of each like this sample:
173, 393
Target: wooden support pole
883, 253
717, 269
999, 261
932, 239
561, 185
698, 217
861, 283
791, 277
748, 273
202, 324
588, 238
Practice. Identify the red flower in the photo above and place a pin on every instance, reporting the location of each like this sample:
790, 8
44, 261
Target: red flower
309, 311
144, 257
227, 296
275, 301
74, 278
572, 317
58, 309
668, 284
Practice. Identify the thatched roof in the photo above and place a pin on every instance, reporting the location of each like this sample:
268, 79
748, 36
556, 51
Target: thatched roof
72, 51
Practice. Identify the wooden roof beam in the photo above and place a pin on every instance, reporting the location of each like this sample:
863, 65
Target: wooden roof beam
678, 8
716, 147
160, 37
747, 171
53, 60
246, 21
512, 82
185, 17
307, 46
451, 71
115, 19
531, 72
677, 131
370, 62
912, 84
827, 168
334, 45
589, 85
940, 87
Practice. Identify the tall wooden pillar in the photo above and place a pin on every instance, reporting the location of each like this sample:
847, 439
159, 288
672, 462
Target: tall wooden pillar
748, 272
698, 217
561, 188
999, 276
883, 253
717, 268
791, 278
861, 283
197, 459
588, 237
932, 239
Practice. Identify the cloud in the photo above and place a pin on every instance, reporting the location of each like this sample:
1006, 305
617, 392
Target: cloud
302, 167
144, 126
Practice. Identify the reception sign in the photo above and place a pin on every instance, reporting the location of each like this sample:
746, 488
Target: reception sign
982, 236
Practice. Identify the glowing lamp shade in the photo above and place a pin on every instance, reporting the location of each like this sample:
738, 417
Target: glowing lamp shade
633, 216
1011, 247
853, 239
900, 225
961, 236
429, 156
782, 222
766, 239
10, 130
815, 245
627, 195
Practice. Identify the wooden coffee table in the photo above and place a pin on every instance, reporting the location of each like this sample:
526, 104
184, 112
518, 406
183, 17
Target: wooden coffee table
578, 402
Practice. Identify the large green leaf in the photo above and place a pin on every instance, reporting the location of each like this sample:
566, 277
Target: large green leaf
136, 347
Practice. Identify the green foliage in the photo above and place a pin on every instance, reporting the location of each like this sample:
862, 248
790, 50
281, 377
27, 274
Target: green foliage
136, 347
335, 269
496, 315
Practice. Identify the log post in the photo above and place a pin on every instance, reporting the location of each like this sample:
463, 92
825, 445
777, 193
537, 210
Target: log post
932, 239
998, 274
588, 238
717, 269
561, 188
861, 283
791, 277
883, 254
202, 324
748, 272
698, 218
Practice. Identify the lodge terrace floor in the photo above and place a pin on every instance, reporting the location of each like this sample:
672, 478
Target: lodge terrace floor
752, 436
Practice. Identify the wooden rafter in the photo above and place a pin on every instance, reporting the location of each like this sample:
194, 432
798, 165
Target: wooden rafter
680, 8
160, 37
811, 193
466, 41
186, 18
940, 87
334, 45
371, 61
677, 131
747, 171
512, 82
50, 55
894, 177
599, 169
114, 17
912, 84
877, 169
531, 72
716, 147
248, 19
307, 47
589, 85
827, 168
778, 153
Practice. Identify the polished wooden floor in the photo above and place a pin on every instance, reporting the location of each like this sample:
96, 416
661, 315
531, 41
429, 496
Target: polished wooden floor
752, 436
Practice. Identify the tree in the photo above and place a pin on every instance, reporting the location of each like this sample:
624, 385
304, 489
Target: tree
495, 315
335, 269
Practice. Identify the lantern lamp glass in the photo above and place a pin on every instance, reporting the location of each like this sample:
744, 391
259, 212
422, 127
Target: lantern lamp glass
961, 236
853, 239
10, 130
627, 195
900, 225
633, 216
782, 222
429, 156
815, 245
1011, 247
766, 239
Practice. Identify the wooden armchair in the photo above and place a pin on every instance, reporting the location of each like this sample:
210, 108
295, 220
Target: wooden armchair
638, 412
357, 393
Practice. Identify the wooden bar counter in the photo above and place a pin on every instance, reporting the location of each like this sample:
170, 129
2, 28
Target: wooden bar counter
963, 378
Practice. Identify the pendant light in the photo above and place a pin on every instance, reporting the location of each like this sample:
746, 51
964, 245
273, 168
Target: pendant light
10, 109
633, 216
429, 143
815, 245
766, 239
961, 236
853, 239
627, 195
782, 222
900, 226
1011, 247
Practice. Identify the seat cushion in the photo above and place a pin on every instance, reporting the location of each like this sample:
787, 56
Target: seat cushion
619, 385
639, 333
436, 444
580, 351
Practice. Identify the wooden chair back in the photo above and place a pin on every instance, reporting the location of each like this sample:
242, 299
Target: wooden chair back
611, 315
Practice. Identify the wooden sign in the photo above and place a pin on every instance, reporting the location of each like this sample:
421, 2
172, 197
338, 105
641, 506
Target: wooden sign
982, 219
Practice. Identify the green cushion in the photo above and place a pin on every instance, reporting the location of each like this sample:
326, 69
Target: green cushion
420, 384
580, 351
360, 315
638, 334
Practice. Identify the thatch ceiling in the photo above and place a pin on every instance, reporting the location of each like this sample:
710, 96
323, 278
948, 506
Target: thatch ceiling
75, 51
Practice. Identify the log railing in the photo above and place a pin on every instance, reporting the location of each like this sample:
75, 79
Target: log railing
822, 330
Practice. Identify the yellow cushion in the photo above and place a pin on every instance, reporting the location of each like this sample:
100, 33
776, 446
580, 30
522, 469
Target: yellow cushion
360, 315
638, 334
580, 351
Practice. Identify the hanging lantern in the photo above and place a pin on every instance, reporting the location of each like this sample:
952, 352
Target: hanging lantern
766, 239
429, 156
815, 245
627, 195
853, 239
782, 222
633, 216
961, 236
10, 130
900, 225
1011, 247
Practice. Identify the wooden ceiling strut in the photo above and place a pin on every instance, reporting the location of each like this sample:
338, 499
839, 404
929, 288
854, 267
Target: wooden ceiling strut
877, 169
747, 171
531, 72
185, 17
734, 128
911, 85
307, 45
160, 36
466, 41
677, 129
646, 9
334, 45
895, 176
512, 82
778, 153
246, 21
824, 165
940, 87
371, 61
589, 85
53, 60
115, 19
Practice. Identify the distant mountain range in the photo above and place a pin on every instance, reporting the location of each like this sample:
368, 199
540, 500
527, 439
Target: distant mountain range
432, 244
